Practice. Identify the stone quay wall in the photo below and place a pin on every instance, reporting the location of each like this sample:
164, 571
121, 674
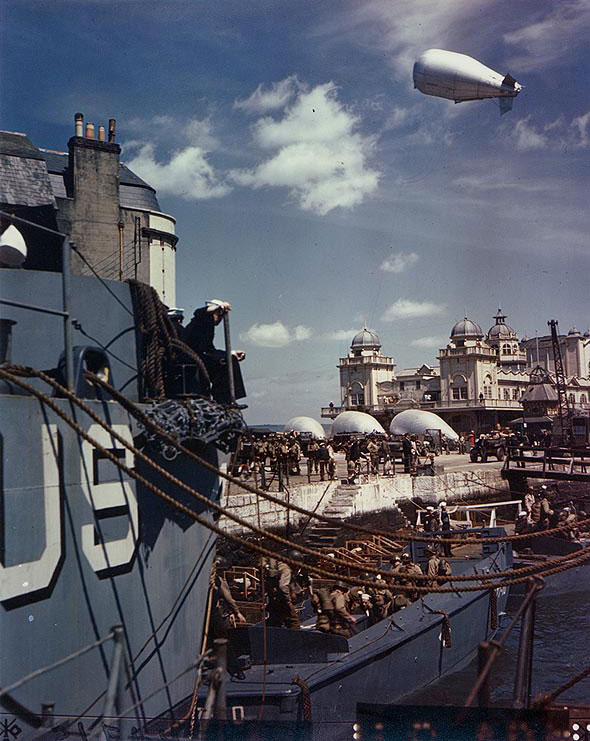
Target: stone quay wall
372, 495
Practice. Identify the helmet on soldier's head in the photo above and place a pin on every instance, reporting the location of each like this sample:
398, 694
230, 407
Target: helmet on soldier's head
443, 504
340, 585
430, 549
405, 556
295, 554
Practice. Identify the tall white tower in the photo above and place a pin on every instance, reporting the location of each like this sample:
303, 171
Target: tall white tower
361, 370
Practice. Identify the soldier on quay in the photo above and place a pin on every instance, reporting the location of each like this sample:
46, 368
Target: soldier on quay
407, 453
294, 457
312, 460
373, 452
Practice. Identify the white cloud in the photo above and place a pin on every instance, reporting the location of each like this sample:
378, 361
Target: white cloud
187, 172
528, 137
319, 155
405, 308
557, 134
262, 101
399, 262
275, 335
302, 333
427, 343
564, 25
340, 334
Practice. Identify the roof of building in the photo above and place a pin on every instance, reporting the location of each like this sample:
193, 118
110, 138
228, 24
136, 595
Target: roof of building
540, 392
366, 338
17, 144
500, 330
467, 328
24, 180
133, 191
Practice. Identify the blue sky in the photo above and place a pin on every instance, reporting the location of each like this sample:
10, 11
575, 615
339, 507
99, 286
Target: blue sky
313, 187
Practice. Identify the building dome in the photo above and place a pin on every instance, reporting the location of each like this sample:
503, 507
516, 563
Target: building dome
574, 332
356, 423
467, 328
501, 330
305, 424
366, 339
587, 333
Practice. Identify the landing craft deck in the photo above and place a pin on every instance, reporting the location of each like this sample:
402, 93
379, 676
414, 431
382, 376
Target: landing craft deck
381, 663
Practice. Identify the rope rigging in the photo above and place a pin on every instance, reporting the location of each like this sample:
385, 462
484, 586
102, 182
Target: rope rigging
143, 418
571, 560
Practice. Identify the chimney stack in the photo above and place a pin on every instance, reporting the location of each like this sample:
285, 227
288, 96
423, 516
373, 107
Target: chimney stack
101, 133
79, 124
90, 131
111, 130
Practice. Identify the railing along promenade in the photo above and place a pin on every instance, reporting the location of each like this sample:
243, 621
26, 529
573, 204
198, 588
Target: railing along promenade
562, 463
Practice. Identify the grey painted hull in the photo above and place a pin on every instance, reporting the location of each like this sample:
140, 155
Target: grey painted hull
83, 549
63, 590
384, 663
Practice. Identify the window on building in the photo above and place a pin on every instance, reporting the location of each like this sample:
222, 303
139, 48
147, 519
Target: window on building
571, 398
583, 399
402, 386
515, 394
507, 394
417, 385
456, 393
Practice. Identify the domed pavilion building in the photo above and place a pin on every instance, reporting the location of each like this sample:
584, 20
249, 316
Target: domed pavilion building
362, 373
482, 375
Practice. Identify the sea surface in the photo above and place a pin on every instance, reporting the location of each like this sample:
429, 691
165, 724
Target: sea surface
561, 649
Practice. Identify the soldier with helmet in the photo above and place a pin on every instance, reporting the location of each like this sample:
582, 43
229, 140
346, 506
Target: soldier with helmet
341, 621
277, 580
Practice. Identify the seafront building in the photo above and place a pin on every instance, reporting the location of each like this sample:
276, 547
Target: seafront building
111, 214
481, 379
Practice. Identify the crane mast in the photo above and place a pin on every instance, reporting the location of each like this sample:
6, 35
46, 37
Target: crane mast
565, 410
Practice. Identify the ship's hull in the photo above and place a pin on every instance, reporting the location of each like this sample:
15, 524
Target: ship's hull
383, 664
85, 548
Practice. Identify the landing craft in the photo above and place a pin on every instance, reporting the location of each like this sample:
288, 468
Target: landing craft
448, 74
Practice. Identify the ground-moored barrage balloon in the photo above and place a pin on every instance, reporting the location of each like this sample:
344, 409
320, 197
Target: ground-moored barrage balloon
420, 421
458, 77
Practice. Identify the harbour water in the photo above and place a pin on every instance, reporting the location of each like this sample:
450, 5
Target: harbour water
562, 627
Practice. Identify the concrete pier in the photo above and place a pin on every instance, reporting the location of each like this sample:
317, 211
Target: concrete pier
456, 480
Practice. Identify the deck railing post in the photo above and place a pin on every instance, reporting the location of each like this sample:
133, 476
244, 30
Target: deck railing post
67, 320
229, 357
522, 683
483, 655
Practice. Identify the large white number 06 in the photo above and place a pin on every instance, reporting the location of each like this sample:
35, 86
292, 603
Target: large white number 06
117, 495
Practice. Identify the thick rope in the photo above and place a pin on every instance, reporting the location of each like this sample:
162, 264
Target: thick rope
493, 609
533, 569
581, 556
146, 421
305, 697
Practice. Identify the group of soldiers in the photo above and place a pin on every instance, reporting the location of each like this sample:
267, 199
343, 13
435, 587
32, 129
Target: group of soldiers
338, 607
285, 451
541, 511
